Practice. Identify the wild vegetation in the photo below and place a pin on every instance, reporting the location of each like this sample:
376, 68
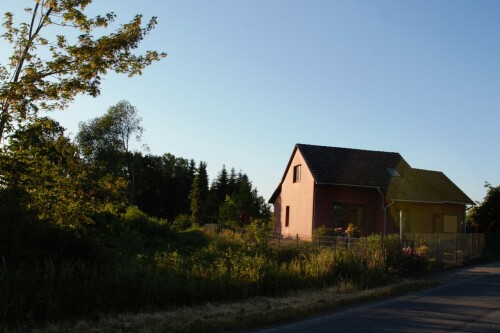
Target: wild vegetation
141, 263
71, 226
96, 226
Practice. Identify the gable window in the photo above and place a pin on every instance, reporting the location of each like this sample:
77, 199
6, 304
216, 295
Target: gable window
287, 216
296, 173
343, 215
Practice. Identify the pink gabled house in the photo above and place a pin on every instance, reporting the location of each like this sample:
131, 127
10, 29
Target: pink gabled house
333, 187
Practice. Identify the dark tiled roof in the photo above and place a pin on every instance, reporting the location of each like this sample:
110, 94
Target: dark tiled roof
343, 166
365, 168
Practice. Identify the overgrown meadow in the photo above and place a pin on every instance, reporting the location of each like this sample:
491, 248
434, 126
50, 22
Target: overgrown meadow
141, 263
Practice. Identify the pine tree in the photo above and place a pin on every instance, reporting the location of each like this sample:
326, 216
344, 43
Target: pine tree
203, 180
233, 184
198, 194
221, 185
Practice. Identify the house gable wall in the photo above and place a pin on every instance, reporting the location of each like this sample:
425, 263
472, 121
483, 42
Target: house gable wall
298, 196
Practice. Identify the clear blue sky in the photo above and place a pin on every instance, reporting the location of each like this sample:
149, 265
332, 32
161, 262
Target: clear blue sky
246, 80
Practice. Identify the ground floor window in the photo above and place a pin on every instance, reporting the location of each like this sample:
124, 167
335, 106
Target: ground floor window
287, 216
343, 215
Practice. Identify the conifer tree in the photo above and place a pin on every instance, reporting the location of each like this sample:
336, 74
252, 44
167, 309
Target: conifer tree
198, 194
203, 180
221, 185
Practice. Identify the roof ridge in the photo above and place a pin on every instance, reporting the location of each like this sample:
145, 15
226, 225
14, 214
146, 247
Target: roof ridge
427, 170
346, 148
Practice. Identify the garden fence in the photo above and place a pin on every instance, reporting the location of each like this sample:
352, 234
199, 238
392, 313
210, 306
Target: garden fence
447, 248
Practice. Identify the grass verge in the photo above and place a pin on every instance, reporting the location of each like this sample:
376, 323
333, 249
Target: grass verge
249, 314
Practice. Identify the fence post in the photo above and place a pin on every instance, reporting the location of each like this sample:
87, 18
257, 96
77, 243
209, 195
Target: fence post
437, 247
297, 237
346, 242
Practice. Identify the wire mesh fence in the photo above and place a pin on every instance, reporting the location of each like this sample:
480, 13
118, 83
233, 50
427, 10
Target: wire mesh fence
449, 248
446, 248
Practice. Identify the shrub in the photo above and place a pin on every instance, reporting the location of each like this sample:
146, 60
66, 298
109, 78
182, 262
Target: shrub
324, 231
353, 231
183, 222
256, 235
411, 261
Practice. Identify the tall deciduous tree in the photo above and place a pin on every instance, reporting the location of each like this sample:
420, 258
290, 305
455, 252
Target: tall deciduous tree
30, 82
106, 140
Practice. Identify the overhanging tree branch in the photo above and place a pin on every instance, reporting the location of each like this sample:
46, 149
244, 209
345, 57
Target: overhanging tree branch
73, 68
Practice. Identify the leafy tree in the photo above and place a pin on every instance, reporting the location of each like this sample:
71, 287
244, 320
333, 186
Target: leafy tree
46, 71
41, 164
486, 216
229, 212
105, 141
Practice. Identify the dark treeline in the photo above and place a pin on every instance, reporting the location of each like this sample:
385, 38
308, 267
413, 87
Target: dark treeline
70, 198
165, 186
175, 188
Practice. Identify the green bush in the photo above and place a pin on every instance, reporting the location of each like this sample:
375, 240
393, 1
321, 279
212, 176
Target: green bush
183, 222
324, 231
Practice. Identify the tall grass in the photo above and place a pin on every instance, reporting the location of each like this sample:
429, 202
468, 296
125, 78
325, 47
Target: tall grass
218, 271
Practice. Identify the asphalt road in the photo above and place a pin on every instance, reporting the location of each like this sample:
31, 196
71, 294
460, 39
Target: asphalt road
467, 301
